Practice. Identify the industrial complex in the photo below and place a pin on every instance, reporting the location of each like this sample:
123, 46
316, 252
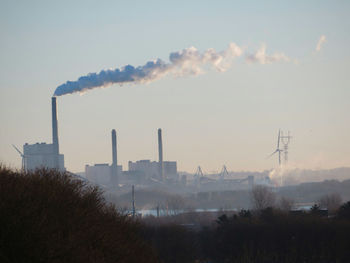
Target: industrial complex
141, 172
46, 155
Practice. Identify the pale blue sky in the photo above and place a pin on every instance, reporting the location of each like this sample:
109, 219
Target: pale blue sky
213, 119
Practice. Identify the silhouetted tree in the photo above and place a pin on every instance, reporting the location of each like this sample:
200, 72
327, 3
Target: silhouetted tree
174, 243
175, 204
245, 214
47, 216
344, 211
262, 197
285, 204
331, 202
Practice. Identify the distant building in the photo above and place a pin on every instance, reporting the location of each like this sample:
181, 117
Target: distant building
146, 169
101, 173
170, 170
42, 155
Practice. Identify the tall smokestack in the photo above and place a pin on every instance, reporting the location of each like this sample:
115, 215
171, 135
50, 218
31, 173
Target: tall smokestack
160, 152
114, 175
55, 132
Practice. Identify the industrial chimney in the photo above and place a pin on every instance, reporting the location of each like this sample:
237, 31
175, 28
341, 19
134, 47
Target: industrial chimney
160, 152
114, 167
55, 133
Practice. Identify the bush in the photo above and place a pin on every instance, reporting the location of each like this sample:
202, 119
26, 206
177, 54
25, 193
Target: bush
344, 211
47, 216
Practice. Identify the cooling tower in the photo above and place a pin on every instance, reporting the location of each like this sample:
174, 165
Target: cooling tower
160, 152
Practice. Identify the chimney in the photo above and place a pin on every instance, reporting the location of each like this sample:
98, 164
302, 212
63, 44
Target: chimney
114, 148
160, 152
55, 132
114, 167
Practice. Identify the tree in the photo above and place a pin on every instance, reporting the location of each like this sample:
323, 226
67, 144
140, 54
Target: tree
332, 202
262, 197
245, 214
175, 205
286, 204
47, 216
344, 211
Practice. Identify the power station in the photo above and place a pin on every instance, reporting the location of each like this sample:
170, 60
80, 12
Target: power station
45, 155
142, 172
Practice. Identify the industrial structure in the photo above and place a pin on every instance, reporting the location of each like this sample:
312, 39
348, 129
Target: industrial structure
114, 166
160, 154
141, 172
221, 181
44, 155
152, 171
284, 139
103, 173
278, 150
145, 173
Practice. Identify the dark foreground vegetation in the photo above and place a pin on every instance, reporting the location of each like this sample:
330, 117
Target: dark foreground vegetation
50, 217
267, 236
46, 216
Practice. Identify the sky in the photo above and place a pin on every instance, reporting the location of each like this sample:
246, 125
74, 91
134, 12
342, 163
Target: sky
214, 118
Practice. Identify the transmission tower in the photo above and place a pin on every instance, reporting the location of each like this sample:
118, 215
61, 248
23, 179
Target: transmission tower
285, 140
278, 150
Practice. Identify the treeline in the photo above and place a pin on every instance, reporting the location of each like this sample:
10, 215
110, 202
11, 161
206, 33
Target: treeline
269, 235
46, 216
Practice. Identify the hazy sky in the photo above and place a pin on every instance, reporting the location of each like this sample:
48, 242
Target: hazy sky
212, 119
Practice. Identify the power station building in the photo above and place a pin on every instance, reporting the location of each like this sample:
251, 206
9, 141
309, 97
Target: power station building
101, 173
43, 155
147, 169
142, 171
161, 170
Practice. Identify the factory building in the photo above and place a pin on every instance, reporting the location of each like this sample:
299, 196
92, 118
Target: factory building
101, 174
147, 169
43, 155
170, 170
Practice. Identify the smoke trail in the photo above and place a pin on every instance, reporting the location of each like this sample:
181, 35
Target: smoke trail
261, 57
320, 43
186, 62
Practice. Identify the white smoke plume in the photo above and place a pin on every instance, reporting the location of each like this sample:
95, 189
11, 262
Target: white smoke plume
261, 57
189, 61
320, 43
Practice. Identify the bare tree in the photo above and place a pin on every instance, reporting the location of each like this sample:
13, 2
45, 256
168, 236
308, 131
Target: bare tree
285, 203
332, 202
262, 197
174, 205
